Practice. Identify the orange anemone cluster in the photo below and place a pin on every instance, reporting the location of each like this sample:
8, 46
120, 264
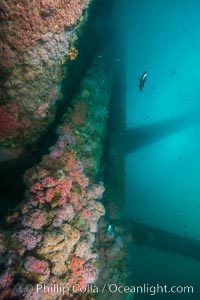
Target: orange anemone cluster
23, 22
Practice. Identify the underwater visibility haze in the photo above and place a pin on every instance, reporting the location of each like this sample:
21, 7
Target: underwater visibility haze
162, 37
162, 196
100, 148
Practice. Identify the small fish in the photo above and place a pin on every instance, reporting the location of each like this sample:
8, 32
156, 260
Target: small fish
148, 190
147, 116
142, 81
180, 158
110, 229
100, 56
117, 59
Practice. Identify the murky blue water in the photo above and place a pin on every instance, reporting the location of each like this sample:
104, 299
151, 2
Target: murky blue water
162, 37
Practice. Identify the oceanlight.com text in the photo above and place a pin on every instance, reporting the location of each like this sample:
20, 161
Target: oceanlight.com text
150, 289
